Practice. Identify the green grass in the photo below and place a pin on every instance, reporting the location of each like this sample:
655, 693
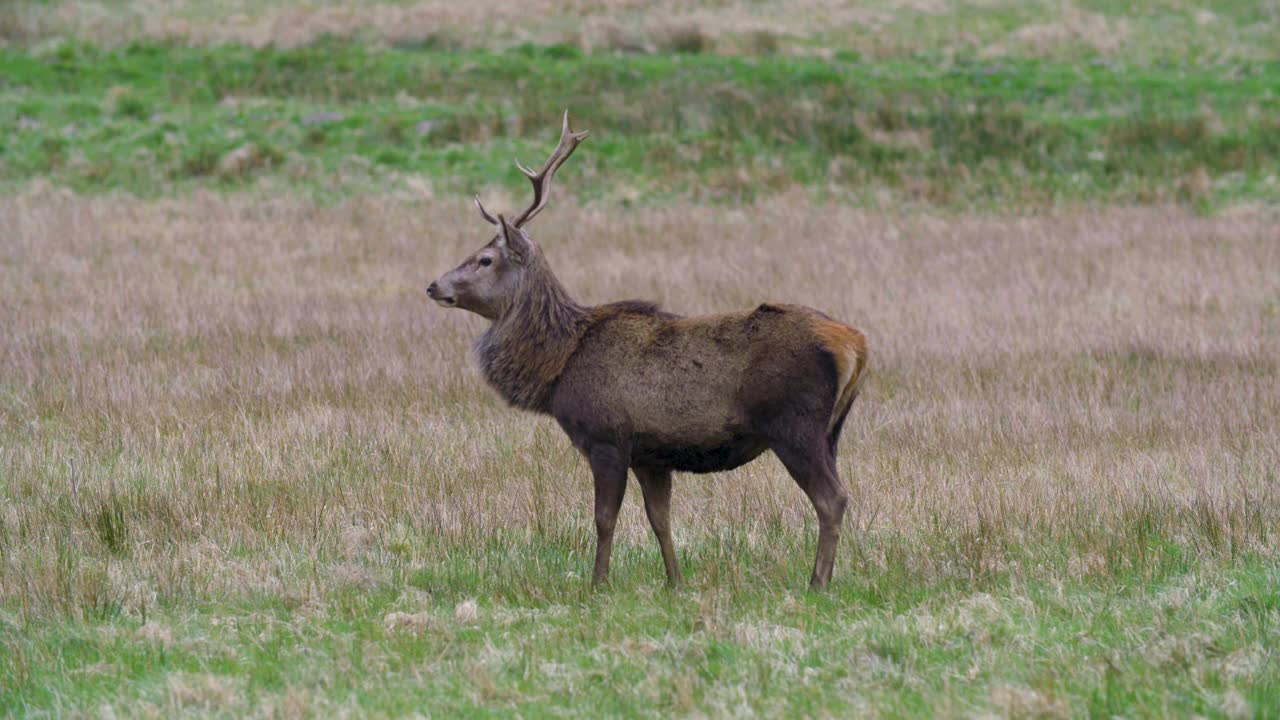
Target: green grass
1174, 633
286, 507
203, 513
153, 119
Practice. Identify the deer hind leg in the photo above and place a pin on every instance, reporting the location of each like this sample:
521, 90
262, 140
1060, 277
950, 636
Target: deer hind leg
609, 469
656, 486
813, 467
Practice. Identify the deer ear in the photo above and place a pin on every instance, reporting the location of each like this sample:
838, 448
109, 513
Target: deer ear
513, 240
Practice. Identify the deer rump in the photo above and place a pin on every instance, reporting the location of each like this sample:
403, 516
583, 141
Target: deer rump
710, 393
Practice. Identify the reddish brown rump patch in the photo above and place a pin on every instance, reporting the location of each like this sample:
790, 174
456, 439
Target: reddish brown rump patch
848, 348
845, 344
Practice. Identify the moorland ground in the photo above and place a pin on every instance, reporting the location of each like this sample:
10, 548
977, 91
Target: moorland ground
246, 468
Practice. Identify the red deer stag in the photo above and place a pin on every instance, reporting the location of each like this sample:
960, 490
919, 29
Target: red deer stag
636, 387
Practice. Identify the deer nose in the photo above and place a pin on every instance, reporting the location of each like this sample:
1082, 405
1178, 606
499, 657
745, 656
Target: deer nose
431, 291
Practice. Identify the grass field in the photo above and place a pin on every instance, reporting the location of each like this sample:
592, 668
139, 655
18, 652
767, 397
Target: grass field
1010, 134
248, 469
1150, 32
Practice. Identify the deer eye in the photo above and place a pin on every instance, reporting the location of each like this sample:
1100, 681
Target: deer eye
486, 262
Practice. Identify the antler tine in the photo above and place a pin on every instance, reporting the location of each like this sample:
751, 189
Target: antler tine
485, 213
542, 179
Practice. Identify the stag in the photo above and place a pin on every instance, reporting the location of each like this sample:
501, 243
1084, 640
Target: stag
635, 387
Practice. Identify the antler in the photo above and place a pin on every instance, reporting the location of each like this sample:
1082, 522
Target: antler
542, 179
485, 213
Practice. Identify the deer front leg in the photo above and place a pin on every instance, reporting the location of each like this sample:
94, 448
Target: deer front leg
609, 469
656, 486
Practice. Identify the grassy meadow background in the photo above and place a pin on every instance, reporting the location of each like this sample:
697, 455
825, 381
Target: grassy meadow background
247, 469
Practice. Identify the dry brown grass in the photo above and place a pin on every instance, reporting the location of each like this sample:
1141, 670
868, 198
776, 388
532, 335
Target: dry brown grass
880, 28
218, 395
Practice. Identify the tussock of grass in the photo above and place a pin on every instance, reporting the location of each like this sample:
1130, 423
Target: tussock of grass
247, 468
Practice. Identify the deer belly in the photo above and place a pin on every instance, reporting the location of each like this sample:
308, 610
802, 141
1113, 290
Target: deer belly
652, 452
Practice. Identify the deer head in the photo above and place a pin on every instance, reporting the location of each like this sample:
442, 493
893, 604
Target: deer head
487, 282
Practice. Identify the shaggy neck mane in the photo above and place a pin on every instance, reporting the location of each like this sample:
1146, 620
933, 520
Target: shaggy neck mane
523, 353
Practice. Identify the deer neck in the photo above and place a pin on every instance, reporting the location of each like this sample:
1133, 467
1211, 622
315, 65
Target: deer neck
526, 348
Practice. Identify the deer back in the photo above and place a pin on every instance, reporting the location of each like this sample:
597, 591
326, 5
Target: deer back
699, 381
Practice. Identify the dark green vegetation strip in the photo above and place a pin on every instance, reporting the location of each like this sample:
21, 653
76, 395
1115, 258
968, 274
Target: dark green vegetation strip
152, 119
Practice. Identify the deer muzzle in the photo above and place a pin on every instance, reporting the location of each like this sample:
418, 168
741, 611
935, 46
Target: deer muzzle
442, 298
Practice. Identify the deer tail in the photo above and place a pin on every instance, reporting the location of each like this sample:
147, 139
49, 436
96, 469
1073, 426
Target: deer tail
848, 349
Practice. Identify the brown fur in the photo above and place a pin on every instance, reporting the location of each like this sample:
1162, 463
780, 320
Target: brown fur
638, 388
693, 394
525, 350
848, 348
